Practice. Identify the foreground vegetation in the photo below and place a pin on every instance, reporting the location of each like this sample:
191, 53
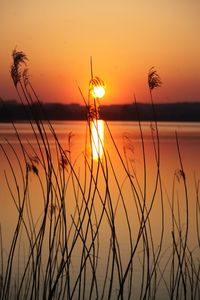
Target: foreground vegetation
74, 248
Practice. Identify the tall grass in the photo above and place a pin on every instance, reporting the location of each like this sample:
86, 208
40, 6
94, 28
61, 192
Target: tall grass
73, 248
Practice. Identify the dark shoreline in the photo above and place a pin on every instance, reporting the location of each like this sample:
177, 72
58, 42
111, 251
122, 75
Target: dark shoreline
172, 112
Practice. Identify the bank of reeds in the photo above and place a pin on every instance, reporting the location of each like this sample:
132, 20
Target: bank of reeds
72, 247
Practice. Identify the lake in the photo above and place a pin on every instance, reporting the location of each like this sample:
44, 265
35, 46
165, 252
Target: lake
123, 224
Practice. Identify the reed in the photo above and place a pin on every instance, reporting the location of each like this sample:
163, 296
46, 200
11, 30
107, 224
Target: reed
72, 247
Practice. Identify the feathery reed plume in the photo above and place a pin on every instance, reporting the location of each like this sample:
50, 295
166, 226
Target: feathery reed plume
96, 81
154, 80
19, 58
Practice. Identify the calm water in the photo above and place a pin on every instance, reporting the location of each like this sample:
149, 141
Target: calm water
127, 137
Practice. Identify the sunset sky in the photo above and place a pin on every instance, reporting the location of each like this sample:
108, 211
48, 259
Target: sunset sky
124, 37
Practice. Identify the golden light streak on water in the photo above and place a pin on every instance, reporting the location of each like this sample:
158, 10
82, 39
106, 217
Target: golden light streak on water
97, 138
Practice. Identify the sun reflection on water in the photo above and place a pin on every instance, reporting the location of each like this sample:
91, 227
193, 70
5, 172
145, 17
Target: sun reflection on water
97, 138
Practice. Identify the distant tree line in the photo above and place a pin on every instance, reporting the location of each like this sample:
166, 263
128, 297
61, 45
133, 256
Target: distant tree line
12, 110
145, 112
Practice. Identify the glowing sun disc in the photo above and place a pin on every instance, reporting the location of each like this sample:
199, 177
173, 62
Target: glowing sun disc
98, 91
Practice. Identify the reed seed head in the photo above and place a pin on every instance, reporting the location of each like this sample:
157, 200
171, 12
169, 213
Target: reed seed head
19, 58
154, 80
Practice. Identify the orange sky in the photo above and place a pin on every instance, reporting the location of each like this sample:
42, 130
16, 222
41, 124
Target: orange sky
125, 38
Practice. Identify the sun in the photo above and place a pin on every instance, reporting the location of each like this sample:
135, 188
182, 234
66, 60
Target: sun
98, 91
97, 87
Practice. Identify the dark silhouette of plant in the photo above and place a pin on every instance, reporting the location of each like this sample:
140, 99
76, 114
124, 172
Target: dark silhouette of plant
75, 247
19, 59
154, 80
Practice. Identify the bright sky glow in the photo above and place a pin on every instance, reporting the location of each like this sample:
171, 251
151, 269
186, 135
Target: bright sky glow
124, 37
